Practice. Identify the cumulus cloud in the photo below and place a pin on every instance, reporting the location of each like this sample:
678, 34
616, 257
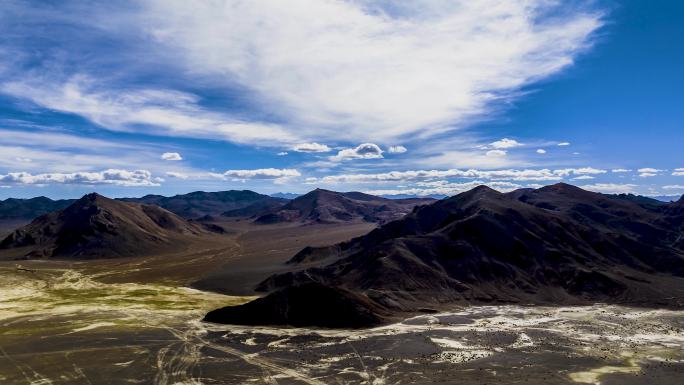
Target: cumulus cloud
262, 173
171, 156
563, 144
282, 153
375, 69
678, 172
541, 151
362, 151
620, 170
496, 153
648, 172
505, 143
397, 149
111, 176
610, 188
583, 177
311, 147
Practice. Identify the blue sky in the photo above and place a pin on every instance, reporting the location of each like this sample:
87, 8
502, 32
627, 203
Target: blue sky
422, 97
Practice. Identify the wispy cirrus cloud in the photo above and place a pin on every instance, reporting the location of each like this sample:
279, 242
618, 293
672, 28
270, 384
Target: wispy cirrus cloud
376, 72
158, 111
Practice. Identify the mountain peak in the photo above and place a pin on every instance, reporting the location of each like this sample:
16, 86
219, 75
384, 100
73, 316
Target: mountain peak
325, 206
561, 186
99, 227
92, 197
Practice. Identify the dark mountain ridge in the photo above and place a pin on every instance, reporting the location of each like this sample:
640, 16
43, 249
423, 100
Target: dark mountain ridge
98, 227
13, 208
555, 245
324, 206
199, 203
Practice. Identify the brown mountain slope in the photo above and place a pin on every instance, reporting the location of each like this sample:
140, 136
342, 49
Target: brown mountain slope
554, 245
323, 206
99, 227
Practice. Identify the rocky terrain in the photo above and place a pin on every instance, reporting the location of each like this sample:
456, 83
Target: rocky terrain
554, 245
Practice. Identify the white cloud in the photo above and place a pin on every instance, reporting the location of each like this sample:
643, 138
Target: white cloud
160, 111
282, 153
110, 176
505, 143
62, 152
373, 71
583, 177
171, 156
397, 149
620, 170
674, 187
648, 172
262, 173
177, 175
465, 158
541, 151
678, 172
311, 147
514, 175
362, 151
580, 171
563, 144
496, 153
445, 188
610, 188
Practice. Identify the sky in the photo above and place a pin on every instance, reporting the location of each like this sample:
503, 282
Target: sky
427, 97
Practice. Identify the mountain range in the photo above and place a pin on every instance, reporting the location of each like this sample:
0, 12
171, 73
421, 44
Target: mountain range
17, 209
98, 227
199, 203
324, 206
555, 245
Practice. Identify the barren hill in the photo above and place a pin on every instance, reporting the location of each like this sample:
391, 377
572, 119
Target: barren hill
99, 227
